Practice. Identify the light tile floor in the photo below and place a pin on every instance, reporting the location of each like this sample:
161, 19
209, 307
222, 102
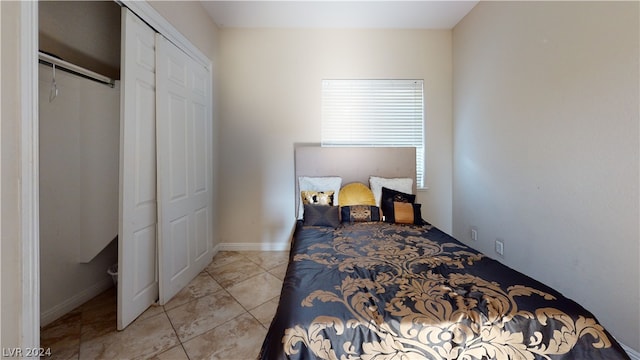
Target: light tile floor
224, 313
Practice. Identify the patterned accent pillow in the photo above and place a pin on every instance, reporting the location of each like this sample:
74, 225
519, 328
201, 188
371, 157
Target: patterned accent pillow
389, 197
360, 213
376, 183
321, 215
317, 197
407, 213
322, 183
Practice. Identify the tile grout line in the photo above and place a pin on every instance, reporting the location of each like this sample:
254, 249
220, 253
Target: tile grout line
175, 332
265, 271
259, 265
80, 334
246, 311
256, 261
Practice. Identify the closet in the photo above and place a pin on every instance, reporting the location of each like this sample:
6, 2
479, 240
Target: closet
79, 141
164, 176
166, 210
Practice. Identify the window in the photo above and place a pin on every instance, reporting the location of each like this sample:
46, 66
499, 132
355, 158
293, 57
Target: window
375, 113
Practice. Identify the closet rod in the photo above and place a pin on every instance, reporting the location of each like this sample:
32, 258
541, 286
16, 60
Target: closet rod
47, 59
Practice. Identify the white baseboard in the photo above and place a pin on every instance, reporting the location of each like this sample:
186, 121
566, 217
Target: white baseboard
216, 249
253, 246
54, 313
634, 355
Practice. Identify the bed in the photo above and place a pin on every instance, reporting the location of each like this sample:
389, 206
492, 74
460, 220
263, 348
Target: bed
385, 284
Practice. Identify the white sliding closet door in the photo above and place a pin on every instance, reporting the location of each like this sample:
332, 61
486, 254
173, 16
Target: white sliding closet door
137, 246
184, 167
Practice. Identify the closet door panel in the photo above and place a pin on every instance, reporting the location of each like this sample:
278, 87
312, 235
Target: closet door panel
179, 229
176, 148
202, 220
201, 178
184, 168
137, 229
144, 242
144, 154
200, 147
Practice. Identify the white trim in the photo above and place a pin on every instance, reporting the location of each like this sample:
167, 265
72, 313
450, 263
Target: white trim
29, 201
0, 179
253, 246
152, 17
76, 300
634, 355
215, 250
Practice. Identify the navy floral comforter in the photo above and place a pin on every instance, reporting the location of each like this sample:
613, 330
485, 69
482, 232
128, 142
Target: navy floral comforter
376, 291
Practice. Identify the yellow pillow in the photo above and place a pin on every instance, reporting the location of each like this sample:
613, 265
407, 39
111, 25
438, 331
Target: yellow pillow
356, 194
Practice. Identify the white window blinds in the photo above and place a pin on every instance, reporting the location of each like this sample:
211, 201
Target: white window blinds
375, 113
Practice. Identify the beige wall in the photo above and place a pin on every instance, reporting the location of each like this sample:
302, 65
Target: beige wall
270, 99
191, 20
546, 147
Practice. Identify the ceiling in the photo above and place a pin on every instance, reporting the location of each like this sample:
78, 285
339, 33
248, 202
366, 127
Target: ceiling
416, 14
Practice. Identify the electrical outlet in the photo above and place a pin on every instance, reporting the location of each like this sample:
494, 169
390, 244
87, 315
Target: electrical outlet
500, 247
474, 234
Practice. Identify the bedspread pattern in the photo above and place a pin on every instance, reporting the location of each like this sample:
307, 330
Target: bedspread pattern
384, 291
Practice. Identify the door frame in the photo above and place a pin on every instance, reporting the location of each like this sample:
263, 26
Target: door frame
29, 313
29, 239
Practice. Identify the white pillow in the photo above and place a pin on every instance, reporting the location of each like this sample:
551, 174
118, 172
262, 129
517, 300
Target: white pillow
326, 183
376, 184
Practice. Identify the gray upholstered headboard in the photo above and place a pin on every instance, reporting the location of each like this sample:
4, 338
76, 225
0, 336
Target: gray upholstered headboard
354, 163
